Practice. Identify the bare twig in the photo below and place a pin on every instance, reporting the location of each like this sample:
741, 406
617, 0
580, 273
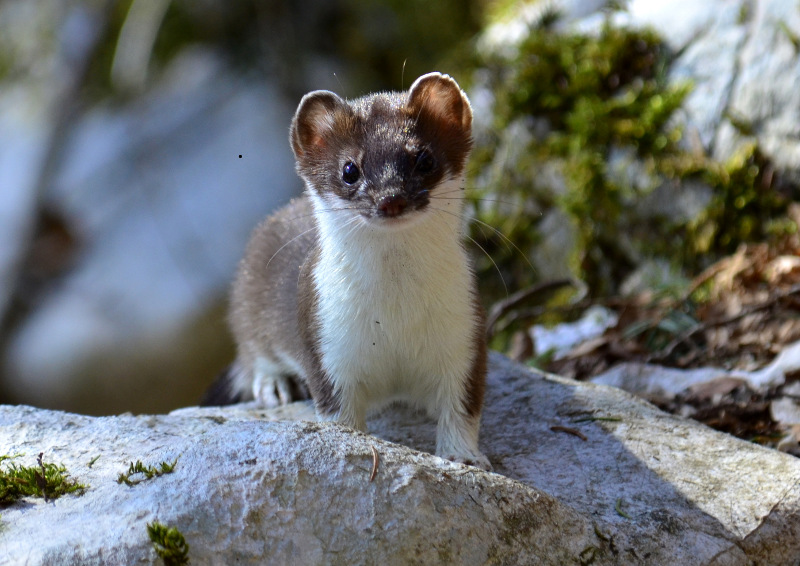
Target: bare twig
501, 308
591, 419
374, 463
618, 509
735, 264
41, 480
568, 430
773, 301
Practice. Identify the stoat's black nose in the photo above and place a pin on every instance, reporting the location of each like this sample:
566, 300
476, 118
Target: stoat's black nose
392, 205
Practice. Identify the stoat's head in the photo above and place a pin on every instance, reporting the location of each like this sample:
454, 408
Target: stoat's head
384, 155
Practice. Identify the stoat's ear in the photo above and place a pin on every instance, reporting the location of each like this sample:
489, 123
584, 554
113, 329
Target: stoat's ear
315, 120
441, 98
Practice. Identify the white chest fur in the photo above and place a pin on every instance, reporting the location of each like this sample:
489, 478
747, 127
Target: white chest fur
395, 307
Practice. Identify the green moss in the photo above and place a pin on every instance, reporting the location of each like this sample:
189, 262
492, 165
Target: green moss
580, 99
45, 480
506, 10
743, 207
601, 88
146, 472
391, 42
793, 37
234, 30
169, 544
745, 13
590, 94
97, 82
6, 65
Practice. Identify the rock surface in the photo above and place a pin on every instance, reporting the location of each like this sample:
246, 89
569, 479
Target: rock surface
643, 487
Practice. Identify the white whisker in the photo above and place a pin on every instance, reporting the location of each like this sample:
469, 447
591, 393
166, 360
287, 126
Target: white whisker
505, 239
300, 235
303, 216
500, 273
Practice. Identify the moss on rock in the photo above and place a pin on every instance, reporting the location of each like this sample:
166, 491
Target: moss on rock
566, 104
46, 480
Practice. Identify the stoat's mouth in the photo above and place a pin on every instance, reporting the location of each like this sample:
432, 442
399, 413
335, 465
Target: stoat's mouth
408, 217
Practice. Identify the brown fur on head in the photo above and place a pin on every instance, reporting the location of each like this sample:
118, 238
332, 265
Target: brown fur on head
383, 145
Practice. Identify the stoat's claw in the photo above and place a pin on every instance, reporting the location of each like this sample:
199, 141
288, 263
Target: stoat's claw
478, 460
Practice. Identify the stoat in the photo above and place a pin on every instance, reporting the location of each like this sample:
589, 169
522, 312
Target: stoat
361, 290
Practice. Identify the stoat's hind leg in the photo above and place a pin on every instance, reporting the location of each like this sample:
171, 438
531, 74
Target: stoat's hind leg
275, 385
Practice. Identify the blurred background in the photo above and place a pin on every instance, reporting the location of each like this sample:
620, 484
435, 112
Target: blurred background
619, 144
140, 143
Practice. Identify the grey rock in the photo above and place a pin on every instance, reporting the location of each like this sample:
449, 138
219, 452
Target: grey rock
707, 38
682, 202
742, 60
653, 381
643, 487
765, 93
682, 21
711, 78
652, 274
657, 382
785, 410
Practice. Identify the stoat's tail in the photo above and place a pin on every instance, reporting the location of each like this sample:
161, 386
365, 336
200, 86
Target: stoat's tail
226, 389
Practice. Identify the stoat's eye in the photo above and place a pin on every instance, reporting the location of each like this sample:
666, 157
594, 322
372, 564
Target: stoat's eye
350, 173
425, 162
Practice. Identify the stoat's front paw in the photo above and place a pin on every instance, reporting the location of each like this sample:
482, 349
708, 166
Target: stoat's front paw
471, 459
273, 391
